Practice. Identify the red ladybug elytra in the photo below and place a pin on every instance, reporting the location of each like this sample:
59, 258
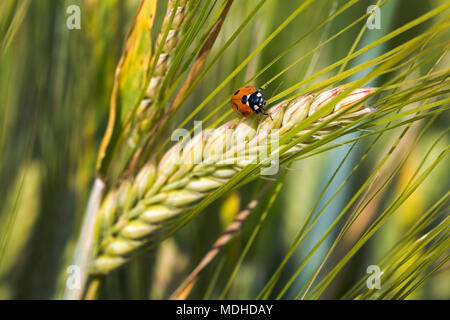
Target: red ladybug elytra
247, 100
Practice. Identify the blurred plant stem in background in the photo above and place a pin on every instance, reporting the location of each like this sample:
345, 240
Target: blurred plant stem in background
56, 86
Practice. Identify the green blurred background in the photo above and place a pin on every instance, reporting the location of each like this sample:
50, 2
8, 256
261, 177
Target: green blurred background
55, 86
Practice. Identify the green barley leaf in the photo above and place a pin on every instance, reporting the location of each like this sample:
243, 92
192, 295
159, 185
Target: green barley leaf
130, 79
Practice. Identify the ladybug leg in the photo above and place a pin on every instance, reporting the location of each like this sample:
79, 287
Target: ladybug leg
264, 113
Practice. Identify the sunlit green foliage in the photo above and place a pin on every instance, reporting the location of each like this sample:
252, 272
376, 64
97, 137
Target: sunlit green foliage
373, 192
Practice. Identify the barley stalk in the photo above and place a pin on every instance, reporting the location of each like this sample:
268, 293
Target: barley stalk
146, 111
186, 286
143, 210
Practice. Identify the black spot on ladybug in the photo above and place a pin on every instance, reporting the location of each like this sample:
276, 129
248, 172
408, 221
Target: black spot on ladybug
244, 99
236, 92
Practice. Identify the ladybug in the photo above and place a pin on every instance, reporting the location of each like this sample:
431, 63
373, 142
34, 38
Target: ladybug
247, 100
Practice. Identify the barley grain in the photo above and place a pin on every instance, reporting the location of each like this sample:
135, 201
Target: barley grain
148, 207
146, 111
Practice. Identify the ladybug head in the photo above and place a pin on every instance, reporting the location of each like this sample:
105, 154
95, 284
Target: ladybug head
257, 99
